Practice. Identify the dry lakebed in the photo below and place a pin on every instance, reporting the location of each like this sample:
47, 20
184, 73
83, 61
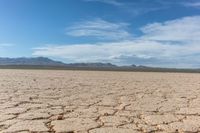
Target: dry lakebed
66, 101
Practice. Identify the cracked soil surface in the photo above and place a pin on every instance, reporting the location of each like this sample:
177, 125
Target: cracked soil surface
55, 101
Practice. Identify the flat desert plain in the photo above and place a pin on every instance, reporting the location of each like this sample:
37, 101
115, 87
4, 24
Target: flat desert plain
41, 101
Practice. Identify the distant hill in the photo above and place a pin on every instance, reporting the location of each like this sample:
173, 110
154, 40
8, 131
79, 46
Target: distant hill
42, 61
95, 65
46, 63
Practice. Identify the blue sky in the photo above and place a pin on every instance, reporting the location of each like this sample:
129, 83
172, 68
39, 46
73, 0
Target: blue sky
163, 33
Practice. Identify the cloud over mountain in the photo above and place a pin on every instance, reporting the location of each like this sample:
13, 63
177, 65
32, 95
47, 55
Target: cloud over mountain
172, 43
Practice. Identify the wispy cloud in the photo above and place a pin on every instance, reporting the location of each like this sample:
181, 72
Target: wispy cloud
135, 8
6, 44
111, 2
139, 7
173, 43
4, 47
192, 4
99, 29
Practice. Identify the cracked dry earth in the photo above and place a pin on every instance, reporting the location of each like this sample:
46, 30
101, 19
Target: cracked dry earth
42, 101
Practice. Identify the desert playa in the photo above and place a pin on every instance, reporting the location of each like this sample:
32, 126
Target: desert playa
41, 101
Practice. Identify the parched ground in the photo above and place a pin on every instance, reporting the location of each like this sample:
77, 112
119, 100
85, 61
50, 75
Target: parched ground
41, 101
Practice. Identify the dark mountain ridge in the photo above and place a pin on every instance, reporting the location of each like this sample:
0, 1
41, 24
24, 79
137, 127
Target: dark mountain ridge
46, 63
30, 61
43, 61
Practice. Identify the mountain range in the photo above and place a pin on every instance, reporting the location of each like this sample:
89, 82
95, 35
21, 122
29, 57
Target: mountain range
46, 63
43, 61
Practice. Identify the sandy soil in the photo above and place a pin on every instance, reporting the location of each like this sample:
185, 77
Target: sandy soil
98, 102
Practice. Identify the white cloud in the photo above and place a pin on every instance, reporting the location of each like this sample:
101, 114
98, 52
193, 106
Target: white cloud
184, 29
100, 51
173, 43
111, 2
99, 29
141, 52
